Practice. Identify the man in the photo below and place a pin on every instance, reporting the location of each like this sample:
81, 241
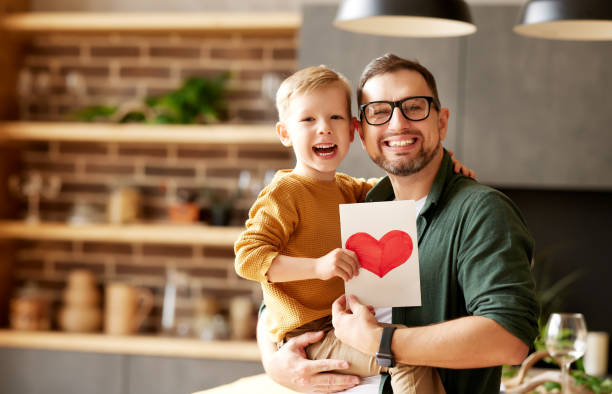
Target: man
478, 308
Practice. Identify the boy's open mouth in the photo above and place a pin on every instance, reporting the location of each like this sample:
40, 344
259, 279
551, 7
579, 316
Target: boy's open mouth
325, 149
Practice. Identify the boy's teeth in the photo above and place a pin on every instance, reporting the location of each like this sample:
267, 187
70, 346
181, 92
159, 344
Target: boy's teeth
401, 143
325, 146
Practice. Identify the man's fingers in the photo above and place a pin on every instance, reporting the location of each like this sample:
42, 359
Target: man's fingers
303, 340
326, 365
355, 305
331, 382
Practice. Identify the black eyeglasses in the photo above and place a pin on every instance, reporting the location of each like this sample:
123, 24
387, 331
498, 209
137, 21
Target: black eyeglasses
413, 108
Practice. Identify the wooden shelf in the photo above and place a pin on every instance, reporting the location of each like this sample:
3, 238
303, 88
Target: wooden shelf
104, 132
133, 233
134, 344
150, 22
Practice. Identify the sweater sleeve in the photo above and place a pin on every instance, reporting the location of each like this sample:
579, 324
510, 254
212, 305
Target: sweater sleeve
359, 187
272, 219
494, 270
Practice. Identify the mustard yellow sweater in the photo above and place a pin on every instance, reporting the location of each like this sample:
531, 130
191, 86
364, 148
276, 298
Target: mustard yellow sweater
295, 216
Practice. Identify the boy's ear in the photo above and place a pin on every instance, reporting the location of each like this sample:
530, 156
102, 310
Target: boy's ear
352, 127
283, 134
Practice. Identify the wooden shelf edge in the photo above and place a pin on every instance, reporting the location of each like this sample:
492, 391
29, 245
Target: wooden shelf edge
134, 345
134, 233
255, 134
136, 22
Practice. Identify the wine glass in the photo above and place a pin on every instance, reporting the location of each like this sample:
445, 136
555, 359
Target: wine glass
566, 342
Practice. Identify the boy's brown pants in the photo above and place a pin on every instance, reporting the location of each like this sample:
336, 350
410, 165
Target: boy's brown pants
405, 379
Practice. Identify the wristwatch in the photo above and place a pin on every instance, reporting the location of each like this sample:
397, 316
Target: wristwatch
384, 357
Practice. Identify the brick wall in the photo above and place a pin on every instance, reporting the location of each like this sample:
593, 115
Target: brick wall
120, 68
113, 69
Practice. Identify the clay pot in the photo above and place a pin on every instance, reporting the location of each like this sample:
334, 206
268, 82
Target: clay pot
80, 319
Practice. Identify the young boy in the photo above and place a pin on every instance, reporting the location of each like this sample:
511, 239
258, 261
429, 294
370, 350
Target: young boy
291, 244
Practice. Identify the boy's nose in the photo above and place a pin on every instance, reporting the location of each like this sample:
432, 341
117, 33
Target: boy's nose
325, 128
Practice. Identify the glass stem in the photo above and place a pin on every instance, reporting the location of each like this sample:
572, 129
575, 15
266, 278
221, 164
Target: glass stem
565, 378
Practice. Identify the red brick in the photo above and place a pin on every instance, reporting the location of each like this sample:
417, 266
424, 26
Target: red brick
206, 272
203, 153
219, 252
53, 50
175, 52
112, 51
201, 72
142, 151
170, 171
167, 250
88, 71
67, 266
237, 53
109, 169
132, 269
74, 187
144, 72
245, 153
57, 168
223, 172
87, 148
284, 53
111, 91
253, 114
104, 247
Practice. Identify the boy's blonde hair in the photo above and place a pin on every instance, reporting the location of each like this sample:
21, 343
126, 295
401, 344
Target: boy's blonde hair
307, 80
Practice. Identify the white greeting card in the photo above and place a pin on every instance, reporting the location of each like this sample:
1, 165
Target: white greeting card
384, 237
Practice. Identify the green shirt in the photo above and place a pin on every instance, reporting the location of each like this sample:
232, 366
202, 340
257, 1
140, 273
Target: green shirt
474, 255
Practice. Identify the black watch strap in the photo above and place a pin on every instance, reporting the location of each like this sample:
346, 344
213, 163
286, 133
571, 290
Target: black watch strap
384, 357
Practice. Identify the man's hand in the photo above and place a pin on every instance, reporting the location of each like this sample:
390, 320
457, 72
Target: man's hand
342, 263
289, 367
356, 327
460, 168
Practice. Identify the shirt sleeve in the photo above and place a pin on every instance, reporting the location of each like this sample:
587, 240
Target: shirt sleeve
494, 268
272, 220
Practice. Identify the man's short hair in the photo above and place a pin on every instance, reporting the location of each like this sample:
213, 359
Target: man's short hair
307, 80
389, 63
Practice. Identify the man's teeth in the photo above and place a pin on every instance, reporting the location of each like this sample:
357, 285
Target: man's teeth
401, 143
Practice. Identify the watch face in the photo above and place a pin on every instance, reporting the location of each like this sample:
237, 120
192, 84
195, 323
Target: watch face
384, 359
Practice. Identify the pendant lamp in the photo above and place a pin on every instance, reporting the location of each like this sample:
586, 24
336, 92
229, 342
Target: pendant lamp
406, 18
576, 20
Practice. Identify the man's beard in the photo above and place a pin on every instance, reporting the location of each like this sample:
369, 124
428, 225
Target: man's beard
404, 167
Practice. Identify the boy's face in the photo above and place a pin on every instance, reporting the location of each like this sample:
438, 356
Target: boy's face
318, 126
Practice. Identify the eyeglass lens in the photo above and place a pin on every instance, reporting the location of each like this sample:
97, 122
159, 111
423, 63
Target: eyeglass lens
416, 108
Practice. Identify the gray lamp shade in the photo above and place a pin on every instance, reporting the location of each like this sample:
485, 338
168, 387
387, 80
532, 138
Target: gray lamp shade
577, 20
406, 18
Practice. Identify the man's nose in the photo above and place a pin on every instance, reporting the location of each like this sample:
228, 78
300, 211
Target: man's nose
397, 121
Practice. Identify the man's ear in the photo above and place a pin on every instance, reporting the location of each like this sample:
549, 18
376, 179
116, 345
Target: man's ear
443, 116
356, 126
283, 134
352, 130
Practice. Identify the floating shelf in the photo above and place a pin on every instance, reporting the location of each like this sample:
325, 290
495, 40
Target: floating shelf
134, 233
134, 344
150, 22
104, 132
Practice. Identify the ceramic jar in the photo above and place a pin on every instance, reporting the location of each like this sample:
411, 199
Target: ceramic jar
81, 310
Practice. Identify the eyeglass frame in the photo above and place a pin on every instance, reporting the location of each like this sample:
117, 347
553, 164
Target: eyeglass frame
398, 104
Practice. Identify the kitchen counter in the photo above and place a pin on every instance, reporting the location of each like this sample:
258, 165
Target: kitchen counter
134, 345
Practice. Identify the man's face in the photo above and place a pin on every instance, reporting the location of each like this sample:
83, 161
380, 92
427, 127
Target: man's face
401, 146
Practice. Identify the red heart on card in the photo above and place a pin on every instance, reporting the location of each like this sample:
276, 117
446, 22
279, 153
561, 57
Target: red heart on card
380, 257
